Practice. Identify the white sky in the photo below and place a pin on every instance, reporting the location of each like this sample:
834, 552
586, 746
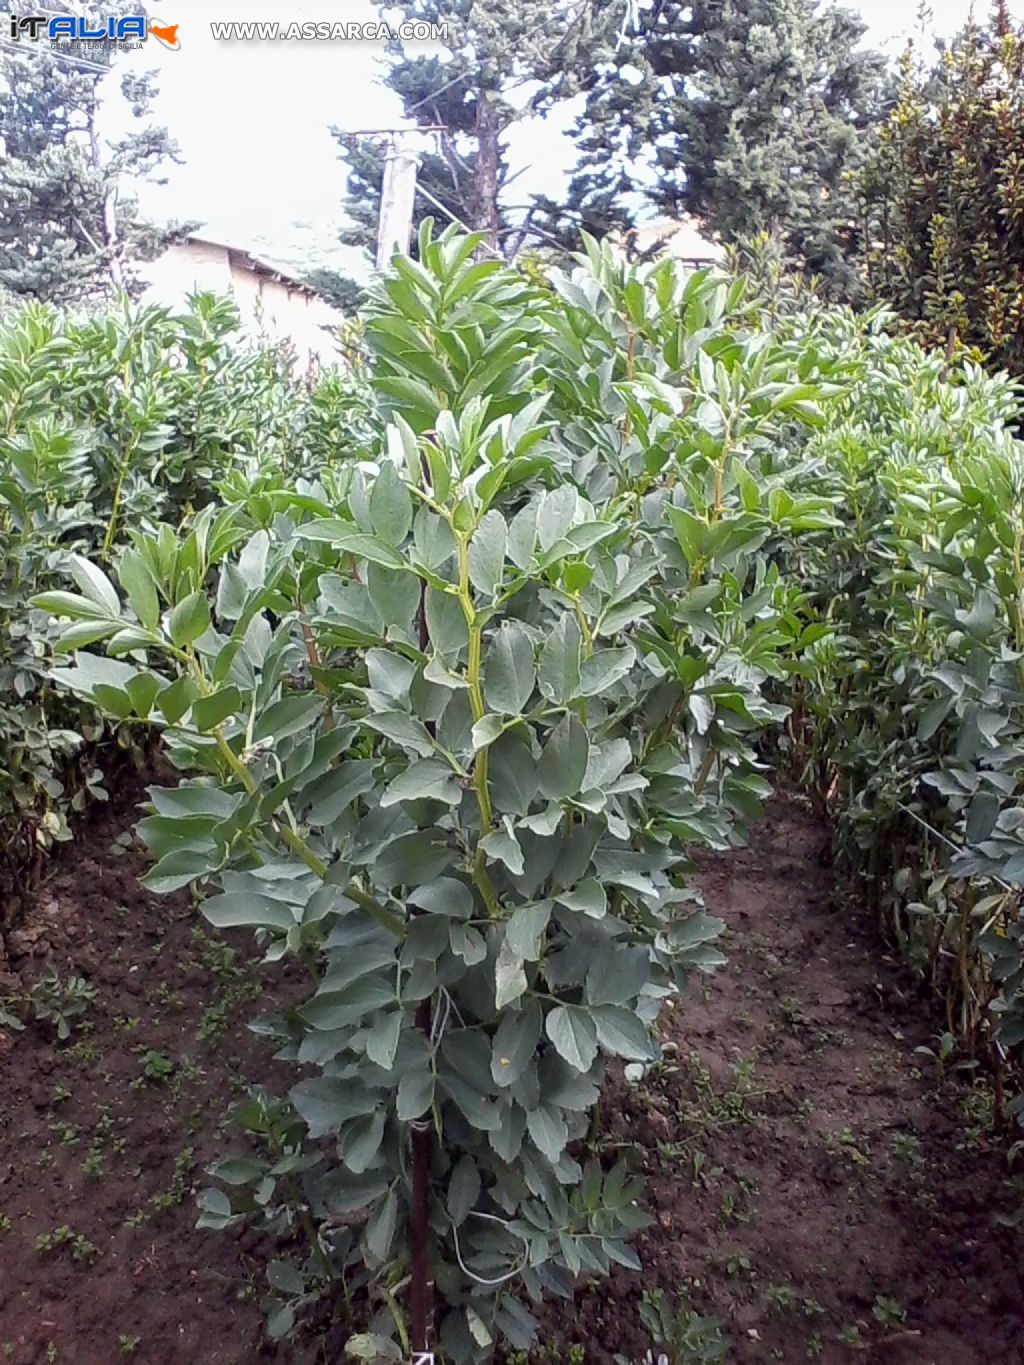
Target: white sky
252, 118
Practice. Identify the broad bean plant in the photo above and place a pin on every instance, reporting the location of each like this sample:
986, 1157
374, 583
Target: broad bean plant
448, 723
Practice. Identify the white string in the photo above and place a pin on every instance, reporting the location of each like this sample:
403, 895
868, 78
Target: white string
503, 1279
957, 848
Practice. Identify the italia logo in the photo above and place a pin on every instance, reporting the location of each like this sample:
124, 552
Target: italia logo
73, 28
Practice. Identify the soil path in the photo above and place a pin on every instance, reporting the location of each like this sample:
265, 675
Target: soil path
812, 1190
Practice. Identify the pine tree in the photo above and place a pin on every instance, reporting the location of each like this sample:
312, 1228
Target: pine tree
69, 228
749, 114
506, 62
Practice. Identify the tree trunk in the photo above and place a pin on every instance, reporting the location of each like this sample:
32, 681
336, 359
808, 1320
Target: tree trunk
111, 245
485, 186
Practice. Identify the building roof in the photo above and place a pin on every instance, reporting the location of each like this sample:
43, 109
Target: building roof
247, 260
681, 237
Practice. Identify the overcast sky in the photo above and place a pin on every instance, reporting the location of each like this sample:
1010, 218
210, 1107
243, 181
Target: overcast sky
252, 118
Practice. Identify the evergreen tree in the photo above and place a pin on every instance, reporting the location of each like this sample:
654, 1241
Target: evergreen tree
945, 197
69, 229
505, 62
749, 114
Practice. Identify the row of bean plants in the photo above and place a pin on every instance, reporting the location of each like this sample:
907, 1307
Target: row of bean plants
451, 709
910, 712
128, 418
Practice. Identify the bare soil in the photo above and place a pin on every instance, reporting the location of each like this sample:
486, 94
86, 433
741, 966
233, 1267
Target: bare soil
816, 1186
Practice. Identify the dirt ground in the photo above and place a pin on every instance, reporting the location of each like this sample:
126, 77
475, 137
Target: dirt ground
817, 1188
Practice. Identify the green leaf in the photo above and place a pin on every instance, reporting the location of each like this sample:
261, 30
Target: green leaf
360, 1142
235, 909
617, 975
334, 1009
289, 715
95, 585
143, 690
509, 672
402, 729
430, 778
343, 535
509, 977
380, 1230
390, 505
176, 699
588, 897
559, 670
487, 553
327, 1104
445, 896
515, 1043
564, 760
548, 1130
208, 712
70, 605
467, 943
415, 1092
137, 581
486, 730
382, 1039
525, 927
604, 668
412, 859
463, 1189
502, 846
446, 622
574, 1035
373, 1348
395, 593
189, 619
174, 871
328, 796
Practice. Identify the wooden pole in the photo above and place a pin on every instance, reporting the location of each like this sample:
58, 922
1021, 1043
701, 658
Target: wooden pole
397, 193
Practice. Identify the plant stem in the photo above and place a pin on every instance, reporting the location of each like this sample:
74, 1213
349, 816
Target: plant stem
108, 539
476, 702
421, 1308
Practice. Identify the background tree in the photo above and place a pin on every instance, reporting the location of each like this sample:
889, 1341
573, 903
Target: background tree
69, 229
750, 114
505, 63
340, 290
945, 195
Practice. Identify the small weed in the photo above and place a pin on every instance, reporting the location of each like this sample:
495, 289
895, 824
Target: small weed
5, 1224
60, 1002
180, 1190
889, 1312
156, 1067
82, 1250
712, 1110
781, 1297
792, 1014
683, 1335
128, 1345
907, 1154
